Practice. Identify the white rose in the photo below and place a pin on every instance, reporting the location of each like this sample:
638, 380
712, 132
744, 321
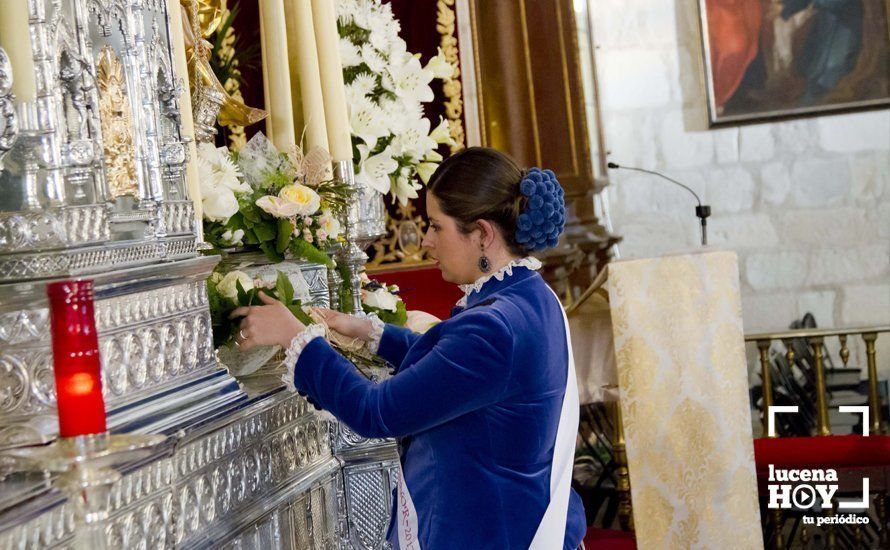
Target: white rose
227, 286
329, 224
278, 207
303, 196
219, 204
381, 299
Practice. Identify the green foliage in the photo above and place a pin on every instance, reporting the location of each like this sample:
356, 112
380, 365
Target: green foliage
225, 329
345, 287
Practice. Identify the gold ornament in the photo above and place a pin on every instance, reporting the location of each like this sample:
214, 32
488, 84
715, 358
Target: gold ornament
454, 104
117, 126
200, 19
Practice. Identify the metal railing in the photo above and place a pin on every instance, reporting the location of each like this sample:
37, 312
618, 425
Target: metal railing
816, 338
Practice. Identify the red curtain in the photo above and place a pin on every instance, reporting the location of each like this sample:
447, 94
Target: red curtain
423, 289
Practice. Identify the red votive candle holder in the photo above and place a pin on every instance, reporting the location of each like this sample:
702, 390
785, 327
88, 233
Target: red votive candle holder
76, 358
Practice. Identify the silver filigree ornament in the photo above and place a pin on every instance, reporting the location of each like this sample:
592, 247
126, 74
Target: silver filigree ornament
10, 127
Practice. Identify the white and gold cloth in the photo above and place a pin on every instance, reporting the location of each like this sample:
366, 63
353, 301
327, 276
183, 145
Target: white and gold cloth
683, 389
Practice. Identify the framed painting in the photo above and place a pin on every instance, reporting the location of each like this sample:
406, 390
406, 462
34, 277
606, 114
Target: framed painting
767, 59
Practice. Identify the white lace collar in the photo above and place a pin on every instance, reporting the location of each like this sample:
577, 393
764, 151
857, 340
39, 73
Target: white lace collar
506, 271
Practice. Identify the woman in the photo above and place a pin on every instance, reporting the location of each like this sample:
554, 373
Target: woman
485, 403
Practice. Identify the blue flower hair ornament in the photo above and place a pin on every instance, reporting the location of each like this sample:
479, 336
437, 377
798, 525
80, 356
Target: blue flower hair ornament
544, 216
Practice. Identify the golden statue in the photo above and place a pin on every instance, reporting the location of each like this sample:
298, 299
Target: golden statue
200, 19
117, 126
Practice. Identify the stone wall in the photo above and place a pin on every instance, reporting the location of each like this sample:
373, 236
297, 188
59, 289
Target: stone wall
805, 203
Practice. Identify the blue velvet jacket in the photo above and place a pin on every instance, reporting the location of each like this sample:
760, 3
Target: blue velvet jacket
480, 396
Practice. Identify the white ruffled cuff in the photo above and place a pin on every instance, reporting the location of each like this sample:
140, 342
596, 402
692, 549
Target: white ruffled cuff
372, 344
292, 354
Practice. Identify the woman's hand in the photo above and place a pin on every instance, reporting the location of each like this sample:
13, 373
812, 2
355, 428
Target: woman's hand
345, 324
266, 325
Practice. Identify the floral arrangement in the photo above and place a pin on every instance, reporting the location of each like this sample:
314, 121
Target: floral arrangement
386, 87
384, 301
281, 203
236, 289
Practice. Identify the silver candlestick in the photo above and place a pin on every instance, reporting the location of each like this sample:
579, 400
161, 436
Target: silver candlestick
351, 254
86, 466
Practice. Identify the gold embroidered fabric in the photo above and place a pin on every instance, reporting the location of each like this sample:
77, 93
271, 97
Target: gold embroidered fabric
679, 352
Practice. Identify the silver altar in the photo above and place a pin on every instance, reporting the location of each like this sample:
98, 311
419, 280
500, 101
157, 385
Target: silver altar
92, 183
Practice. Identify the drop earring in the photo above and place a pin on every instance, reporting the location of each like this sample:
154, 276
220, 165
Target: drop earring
484, 262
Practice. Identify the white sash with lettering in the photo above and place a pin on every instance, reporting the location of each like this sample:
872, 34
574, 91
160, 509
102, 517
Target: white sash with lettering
406, 517
552, 529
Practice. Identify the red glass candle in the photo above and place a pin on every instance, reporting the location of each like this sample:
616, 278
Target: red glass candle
76, 358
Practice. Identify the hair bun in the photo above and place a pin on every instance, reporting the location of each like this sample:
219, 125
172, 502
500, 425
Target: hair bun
544, 217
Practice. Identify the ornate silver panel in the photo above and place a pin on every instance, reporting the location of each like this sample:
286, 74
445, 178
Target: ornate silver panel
345, 440
368, 489
53, 228
217, 486
301, 273
154, 336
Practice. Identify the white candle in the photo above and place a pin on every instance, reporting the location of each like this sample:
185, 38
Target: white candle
305, 73
15, 39
187, 119
276, 76
324, 18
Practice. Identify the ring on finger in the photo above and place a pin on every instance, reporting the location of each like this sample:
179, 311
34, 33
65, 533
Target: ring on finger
241, 334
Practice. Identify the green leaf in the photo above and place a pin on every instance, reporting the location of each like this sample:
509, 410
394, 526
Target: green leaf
264, 232
285, 289
297, 309
243, 299
285, 231
250, 237
301, 249
269, 250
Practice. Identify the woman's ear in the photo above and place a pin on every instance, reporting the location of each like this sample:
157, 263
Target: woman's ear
486, 233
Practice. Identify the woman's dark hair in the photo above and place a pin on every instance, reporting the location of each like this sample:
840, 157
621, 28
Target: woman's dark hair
480, 183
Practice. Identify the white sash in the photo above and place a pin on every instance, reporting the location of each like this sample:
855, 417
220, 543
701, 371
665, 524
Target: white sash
552, 529
406, 517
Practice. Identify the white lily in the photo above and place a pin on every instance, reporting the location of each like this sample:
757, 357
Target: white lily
425, 171
400, 114
409, 80
433, 156
414, 140
367, 120
440, 67
405, 189
374, 171
442, 133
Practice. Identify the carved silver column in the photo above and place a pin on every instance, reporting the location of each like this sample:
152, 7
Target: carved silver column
9, 130
351, 254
